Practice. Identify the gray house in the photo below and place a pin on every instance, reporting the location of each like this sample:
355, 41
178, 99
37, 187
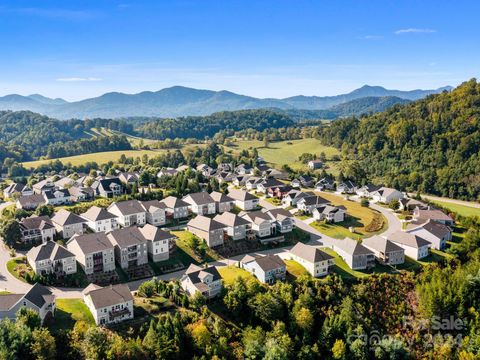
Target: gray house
51, 258
357, 256
207, 229
267, 269
130, 245
222, 202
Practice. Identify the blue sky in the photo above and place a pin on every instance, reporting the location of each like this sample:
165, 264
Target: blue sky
264, 48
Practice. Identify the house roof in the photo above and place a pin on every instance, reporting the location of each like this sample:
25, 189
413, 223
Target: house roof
241, 195
385, 191
96, 213
153, 205
205, 223
109, 295
433, 214
31, 199
352, 247
329, 209
407, 239
197, 274
314, 200
270, 262
106, 183
256, 217
172, 202
8, 301
39, 295
370, 187
127, 207
230, 219
220, 197
90, 243
16, 187
310, 253
270, 182
381, 244
53, 194
48, 250
280, 214
434, 228
125, 237
64, 217
36, 222
47, 183
65, 181
199, 198
153, 233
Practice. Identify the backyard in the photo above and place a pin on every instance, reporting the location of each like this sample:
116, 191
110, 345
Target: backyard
68, 312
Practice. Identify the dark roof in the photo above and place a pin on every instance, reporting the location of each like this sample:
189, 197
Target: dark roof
48, 250
64, 217
39, 295
7, 301
196, 273
96, 213
315, 200
36, 222
126, 237
109, 295
50, 194
31, 199
437, 229
270, 182
270, 262
90, 243
15, 187
280, 214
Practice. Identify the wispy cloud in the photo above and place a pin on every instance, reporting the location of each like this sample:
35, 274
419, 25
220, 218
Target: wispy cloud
73, 79
415, 30
373, 37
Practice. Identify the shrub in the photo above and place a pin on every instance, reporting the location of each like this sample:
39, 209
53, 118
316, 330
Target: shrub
365, 203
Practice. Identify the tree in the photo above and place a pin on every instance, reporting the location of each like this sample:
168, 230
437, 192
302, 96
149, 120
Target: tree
10, 231
304, 319
45, 210
364, 202
95, 344
147, 289
29, 318
339, 349
394, 204
43, 344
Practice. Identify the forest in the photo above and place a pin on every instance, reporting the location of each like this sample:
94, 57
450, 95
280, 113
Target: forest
430, 145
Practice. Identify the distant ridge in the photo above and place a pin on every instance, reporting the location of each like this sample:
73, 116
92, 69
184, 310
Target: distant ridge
182, 101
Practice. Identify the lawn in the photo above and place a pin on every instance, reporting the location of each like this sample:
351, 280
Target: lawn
134, 140
230, 273
18, 268
460, 209
295, 269
68, 312
285, 152
184, 252
357, 216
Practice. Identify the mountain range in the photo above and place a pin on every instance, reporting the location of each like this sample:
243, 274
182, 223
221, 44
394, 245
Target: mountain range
182, 101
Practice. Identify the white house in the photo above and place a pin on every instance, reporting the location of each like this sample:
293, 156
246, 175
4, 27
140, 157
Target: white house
282, 220
155, 212
68, 224
436, 233
310, 203
243, 199
314, 260
315, 164
109, 304
99, 219
206, 281
200, 203
261, 222
235, 225
158, 242
386, 195
423, 215
415, 247
267, 269
37, 229
129, 213
51, 258
223, 202
16, 188
130, 245
386, 251
207, 229
94, 252
357, 256
175, 208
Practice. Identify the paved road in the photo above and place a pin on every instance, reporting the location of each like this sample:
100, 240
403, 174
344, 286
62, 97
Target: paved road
452, 201
11, 284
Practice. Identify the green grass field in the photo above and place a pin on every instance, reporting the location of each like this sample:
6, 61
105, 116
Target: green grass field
295, 269
230, 273
134, 140
357, 216
68, 312
285, 152
460, 209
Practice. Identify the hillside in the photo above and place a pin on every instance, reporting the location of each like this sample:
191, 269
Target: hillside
182, 101
430, 145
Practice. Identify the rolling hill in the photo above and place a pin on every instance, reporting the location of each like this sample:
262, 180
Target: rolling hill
182, 101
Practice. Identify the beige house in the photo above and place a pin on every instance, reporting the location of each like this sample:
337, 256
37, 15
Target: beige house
386, 251
223, 202
51, 258
207, 229
315, 261
109, 304
155, 211
37, 229
68, 224
236, 226
94, 252
243, 199
415, 247
159, 242
131, 248
357, 256
175, 208
200, 203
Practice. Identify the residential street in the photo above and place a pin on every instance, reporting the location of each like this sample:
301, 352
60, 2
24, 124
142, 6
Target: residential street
11, 284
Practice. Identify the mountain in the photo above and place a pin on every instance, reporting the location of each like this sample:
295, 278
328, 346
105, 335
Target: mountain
182, 101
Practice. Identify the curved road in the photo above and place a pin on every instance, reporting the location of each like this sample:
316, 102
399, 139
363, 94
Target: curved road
11, 284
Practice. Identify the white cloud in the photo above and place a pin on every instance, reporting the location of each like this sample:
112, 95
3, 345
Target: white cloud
72, 79
415, 30
373, 37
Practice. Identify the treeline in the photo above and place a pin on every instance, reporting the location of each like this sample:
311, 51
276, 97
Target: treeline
431, 145
87, 146
199, 127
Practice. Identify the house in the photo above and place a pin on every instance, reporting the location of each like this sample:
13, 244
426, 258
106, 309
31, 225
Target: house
325, 184
407, 204
368, 190
16, 188
357, 256
243, 199
99, 219
315, 164
175, 208
277, 174
51, 258
38, 298
79, 194
30, 202
261, 222
129, 212
224, 176
282, 219
306, 181
158, 242
94, 252
295, 183
386, 251
386, 195
206, 281
415, 247
236, 226
68, 224
130, 246
314, 260
223, 202
57, 197
329, 213
184, 168
268, 183
109, 304
244, 169
64, 182
167, 172
252, 182
36, 229
108, 187
435, 233
267, 269
155, 212
207, 229
347, 187
279, 191
224, 167
200, 203
129, 178
310, 203
240, 180
422, 215
44, 185
206, 170
294, 196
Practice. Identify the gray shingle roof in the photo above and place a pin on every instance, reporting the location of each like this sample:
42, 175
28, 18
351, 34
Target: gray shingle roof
64, 217
172, 202
48, 250
36, 222
220, 197
199, 198
153, 233
126, 237
91, 243
109, 295
381, 244
352, 247
309, 253
205, 223
408, 239
96, 213
39, 295
270, 262
230, 219
241, 195
128, 207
